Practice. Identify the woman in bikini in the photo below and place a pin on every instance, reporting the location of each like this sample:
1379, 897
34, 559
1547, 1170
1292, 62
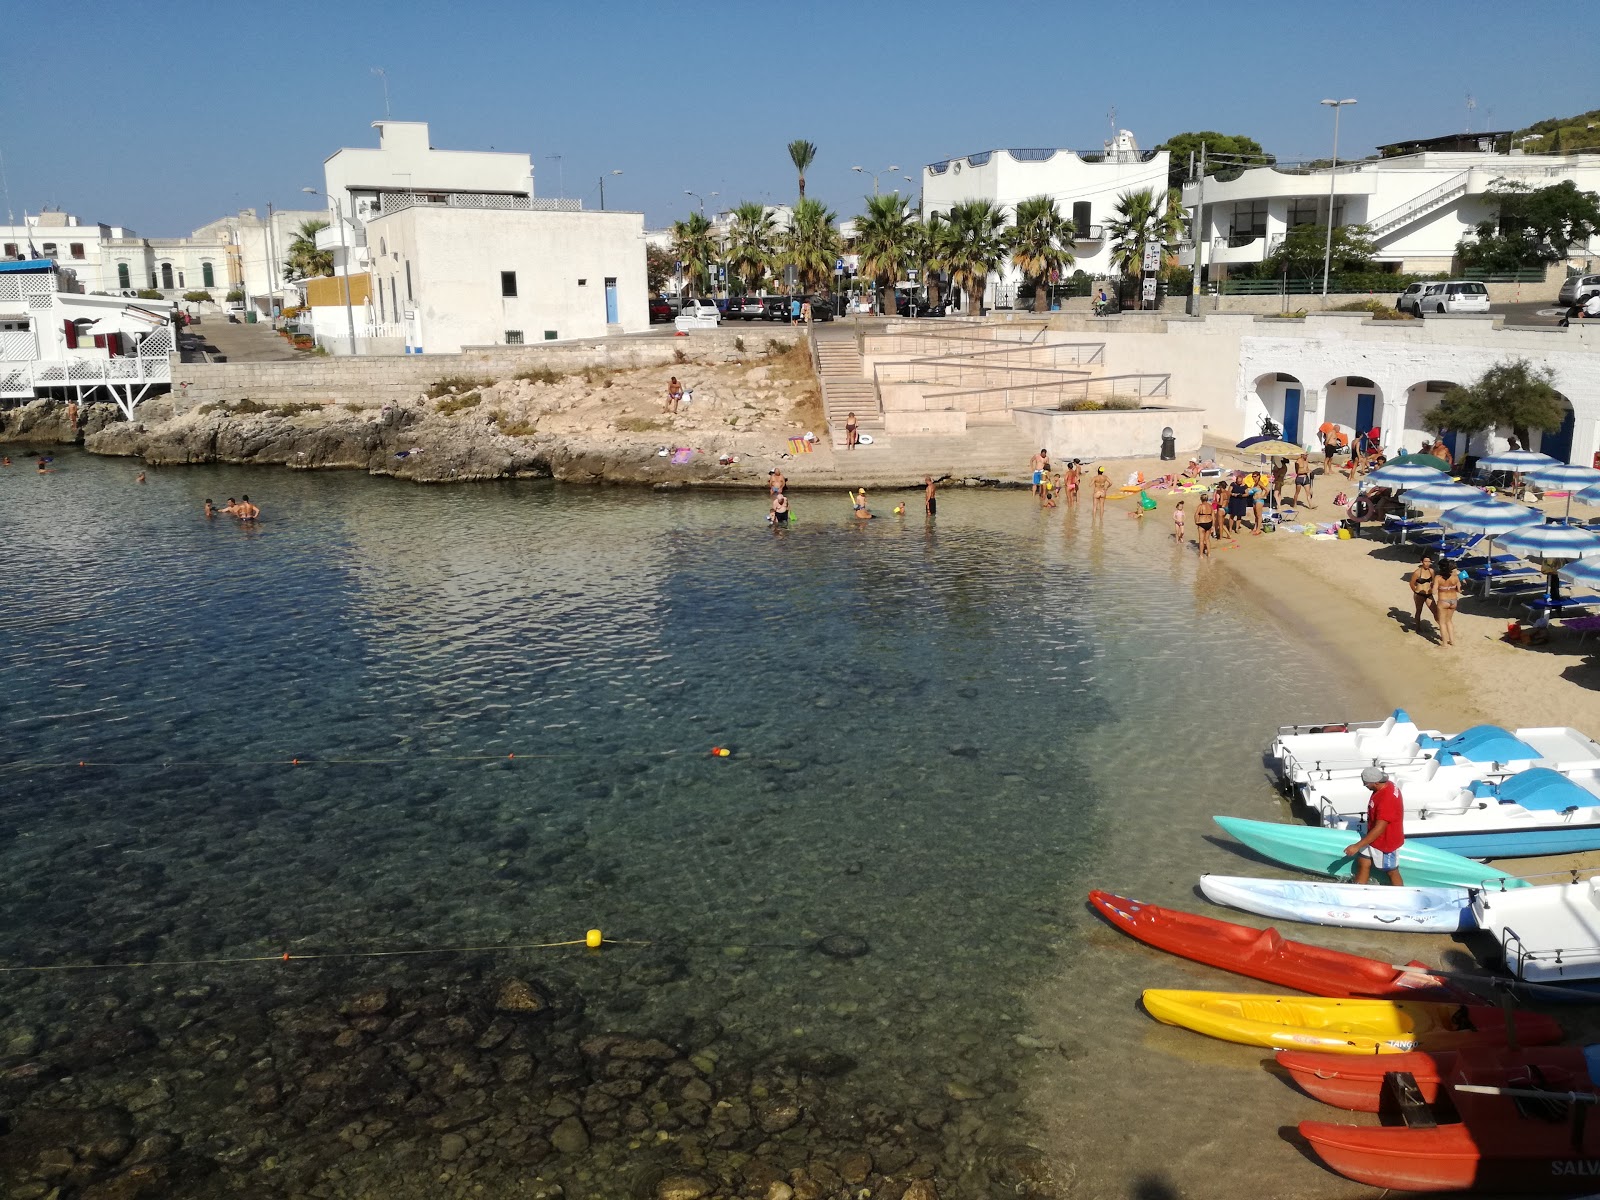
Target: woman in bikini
1072, 481
1202, 524
1446, 596
1422, 584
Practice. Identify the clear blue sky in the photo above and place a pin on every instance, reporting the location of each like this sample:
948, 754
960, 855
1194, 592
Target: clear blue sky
165, 116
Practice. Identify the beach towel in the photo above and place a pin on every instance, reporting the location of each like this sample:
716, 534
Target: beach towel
682, 455
799, 445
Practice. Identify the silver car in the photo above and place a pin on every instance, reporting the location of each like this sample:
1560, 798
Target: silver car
1578, 288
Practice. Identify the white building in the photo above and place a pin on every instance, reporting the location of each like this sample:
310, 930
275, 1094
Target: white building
455, 250
1085, 188
55, 341
1418, 204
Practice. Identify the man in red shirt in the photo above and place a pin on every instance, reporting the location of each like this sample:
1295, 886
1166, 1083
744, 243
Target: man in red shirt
1385, 829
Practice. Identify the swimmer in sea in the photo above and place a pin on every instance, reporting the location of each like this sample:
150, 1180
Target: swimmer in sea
930, 497
247, 511
5, 461
140, 479
780, 511
858, 501
211, 509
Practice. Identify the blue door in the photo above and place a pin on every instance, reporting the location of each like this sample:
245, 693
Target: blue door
1366, 412
611, 301
1291, 414
1558, 445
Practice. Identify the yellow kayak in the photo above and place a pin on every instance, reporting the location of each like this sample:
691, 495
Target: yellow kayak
1344, 1026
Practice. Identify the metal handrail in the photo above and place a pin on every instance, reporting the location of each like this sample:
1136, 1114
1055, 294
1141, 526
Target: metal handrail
1145, 387
1397, 216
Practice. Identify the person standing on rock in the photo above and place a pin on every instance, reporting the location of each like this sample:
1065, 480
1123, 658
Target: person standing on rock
674, 396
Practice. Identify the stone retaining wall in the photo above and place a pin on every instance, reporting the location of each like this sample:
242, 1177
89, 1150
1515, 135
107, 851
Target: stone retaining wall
1109, 434
384, 380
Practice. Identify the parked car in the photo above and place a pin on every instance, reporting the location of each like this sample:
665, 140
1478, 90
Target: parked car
746, 308
777, 308
1577, 289
660, 310
1456, 296
906, 306
698, 314
1409, 300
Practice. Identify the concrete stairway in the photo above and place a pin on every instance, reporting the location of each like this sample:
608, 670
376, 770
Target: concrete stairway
994, 452
844, 390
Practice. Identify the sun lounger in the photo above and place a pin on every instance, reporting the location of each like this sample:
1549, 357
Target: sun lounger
1403, 529
1561, 604
1516, 591
1582, 626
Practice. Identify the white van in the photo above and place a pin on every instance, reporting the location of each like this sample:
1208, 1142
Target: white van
698, 314
1454, 296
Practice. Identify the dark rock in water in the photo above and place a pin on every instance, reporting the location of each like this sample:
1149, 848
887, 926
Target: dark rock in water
920, 1189
368, 1004
106, 1045
153, 1148
617, 1045
965, 751
827, 1064
452, 1146
854, 1168
570, 1137
519, 996
843, 945
777, 1115
683, 1187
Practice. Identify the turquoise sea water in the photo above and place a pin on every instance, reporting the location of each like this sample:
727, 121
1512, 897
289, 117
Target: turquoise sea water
504, 698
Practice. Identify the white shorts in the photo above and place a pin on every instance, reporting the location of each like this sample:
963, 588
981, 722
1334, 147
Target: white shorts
1384, 860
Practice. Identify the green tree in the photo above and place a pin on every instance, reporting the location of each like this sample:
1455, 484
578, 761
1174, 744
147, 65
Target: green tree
691, 245
930, 241
811, 244
885, 238
1141, 219
1515, 395
658, 266
1302, 249
974, 245
1040, 245
1531, 226
304, 260
1225, 152
753, 243
802, 154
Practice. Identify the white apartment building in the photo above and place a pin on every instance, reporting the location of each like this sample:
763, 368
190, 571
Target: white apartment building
55, 340
460, 252
1085, 188
1418, 204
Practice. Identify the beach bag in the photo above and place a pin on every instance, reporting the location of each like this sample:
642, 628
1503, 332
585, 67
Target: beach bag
1341, 500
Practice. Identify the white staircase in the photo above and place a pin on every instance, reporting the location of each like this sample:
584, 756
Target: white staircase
844, 389
1418, 207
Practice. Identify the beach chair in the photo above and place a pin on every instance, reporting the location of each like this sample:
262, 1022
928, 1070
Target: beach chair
1402, 527
1515, 590
1582, 626
1560, 605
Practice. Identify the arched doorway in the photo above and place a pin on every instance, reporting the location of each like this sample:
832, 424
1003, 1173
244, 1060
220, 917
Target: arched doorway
1281, 397
1557, 443
166, 276
1353, 403
207, 276
1422, 398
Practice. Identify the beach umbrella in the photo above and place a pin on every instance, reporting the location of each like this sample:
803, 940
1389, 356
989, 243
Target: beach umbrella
1491, 518
1590, 495
1560, 476
1585, 571
1514, 460
1271, 447
1402, 475
1421, 460
1551, 547
1445, 493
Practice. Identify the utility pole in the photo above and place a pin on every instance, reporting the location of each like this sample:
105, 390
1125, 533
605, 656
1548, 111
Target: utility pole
603, 190
272, 265
1333, 178
561, 174
1199, 235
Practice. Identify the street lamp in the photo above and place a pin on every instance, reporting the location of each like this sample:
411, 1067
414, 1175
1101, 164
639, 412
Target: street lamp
698, 197
1333, 178
344, 253
875, 174
603, 189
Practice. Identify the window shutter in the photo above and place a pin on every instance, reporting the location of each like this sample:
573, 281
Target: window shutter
71, 331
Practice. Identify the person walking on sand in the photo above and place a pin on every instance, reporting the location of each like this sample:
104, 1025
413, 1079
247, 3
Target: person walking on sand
1177, 523
1101, 489
674, 396
852, 434
1380, 847
1302, 479
1422, 581
930, 498
1446, 598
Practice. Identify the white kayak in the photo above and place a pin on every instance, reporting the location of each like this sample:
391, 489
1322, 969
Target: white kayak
1353, 905
1549, 933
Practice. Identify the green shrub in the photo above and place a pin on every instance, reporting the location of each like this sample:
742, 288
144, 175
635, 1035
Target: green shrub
461, 403
638, 424
1379, 310
456, 383
539, 375
235, 294
1081, 406
149, 294
738, 344
1124, 404
197, 297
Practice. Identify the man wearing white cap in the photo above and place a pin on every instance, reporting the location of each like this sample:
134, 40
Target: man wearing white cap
1385, 829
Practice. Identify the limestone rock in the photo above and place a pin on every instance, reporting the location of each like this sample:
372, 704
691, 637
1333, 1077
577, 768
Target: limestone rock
519, 996
682, 1187
570, 1137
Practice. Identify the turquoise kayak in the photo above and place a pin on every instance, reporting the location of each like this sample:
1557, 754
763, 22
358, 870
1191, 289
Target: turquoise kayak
1321, 852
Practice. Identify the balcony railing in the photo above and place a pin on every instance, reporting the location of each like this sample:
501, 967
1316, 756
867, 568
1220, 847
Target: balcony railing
329, 239
399, 201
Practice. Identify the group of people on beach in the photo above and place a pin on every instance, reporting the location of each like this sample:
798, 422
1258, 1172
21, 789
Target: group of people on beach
1050, 484
778, 510
242, 509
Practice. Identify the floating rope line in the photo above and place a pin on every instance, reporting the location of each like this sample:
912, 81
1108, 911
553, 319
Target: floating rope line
593, 940
55, 764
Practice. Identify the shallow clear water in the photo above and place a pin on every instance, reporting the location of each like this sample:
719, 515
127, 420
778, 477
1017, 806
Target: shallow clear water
939, 736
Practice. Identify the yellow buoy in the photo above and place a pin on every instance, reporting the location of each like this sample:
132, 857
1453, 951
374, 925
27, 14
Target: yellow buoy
592, 939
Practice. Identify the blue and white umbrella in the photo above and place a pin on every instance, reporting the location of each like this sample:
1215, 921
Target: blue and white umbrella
1493, 517
1590, 495
1444, 493
1585, 571
1551, 547
1514, 460
1401, 476
1560, 476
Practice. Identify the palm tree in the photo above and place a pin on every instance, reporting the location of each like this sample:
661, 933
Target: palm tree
929, 250
305, 260
1039, 245
884, 241
753, 242
975, 246
1142, 220
811, 244
802, 154
691, 245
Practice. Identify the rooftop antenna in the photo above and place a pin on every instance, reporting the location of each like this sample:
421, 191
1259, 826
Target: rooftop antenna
1471, 104
561, 175
1112, 117
384, 76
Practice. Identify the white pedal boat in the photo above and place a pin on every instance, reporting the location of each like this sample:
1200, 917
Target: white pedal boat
1549, 933
1352, 905
1534, 812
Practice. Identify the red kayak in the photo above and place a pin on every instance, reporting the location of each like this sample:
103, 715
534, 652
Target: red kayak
1527, 1146
1356, 1082
1267, 955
